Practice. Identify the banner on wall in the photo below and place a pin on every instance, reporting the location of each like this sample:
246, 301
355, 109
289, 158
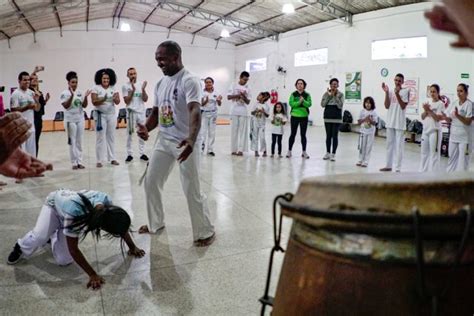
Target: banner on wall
353, 88
413, 85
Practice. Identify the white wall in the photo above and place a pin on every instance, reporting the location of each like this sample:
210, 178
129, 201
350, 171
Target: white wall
350, 50
86, 52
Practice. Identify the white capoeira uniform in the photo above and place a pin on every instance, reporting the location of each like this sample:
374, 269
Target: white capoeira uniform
59, 210
239, 119
105, 123
172, 96
208, 120
258, 123
459, 137
135, 115
19, 99
431, 139
74, 120
367, 135
396, 126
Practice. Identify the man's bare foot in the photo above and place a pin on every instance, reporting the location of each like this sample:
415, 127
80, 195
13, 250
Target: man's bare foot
2, 183
144, 229
19, 181
205, 242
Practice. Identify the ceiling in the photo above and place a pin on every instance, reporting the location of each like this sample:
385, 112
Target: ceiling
246, 20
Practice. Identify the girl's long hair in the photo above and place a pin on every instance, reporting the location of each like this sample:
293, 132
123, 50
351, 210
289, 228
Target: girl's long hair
282, 108
110, 218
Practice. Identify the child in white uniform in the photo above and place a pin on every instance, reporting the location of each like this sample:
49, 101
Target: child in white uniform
134, 96
67, 215
459, 114
25, 101
210, 101
368, 119
260, 111
279, 119
104, 97
74, 101
431, 136
396, 103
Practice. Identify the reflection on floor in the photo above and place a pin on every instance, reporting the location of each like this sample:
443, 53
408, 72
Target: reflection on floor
174, 278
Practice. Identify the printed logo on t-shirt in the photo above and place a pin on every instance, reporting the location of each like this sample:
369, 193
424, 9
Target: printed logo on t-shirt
277, 121
175, 94
77, 103
166, 114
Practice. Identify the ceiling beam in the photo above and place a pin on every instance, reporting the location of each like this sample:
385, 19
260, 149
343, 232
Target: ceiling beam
7, 36
149, 15
330, 9
55, 9
87, 16
224, 16
185, 15
115, 12
23, 17
120, 13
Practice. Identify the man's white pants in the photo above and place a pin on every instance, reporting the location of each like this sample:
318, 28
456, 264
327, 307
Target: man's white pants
430, 151
366, 144
30, 145
133, 118
48, 226
163, 159
239, 133
208, 129
258, 136
75, 132
459, 156
105, 138
395, 147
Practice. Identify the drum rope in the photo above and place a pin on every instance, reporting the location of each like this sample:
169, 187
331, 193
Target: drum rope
277, 225
420, 264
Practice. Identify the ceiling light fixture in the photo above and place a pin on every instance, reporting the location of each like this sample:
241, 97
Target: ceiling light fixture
288, 8
125, 27
225, 33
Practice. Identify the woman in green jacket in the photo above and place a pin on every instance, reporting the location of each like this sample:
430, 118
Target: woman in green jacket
300, 102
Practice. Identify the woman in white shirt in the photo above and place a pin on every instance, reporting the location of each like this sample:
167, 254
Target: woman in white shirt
459, 114
104, 97
74, 103
431, 137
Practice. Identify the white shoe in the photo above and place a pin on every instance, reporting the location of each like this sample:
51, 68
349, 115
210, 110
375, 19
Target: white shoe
305, 155
327, 156
288, 155
333, 157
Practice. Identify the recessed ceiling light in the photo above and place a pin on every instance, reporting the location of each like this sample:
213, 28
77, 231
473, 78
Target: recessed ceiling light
288, 8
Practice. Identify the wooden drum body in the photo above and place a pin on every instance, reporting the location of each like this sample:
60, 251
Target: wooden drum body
379, 245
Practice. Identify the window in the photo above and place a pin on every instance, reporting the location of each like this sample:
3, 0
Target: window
311, 57
253, 65
400, 48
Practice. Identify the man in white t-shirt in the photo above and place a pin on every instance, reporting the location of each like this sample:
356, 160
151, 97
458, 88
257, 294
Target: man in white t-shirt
239, 94
396, 103
177, 113
134, 96
26, 101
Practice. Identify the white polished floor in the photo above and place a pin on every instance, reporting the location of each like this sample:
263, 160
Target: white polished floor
174, 278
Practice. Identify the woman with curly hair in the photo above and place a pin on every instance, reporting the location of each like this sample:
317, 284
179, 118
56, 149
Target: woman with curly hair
67, 215
104, 98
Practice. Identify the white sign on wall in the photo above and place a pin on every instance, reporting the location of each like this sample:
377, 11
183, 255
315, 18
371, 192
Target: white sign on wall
400, 48
311, 57
253, 65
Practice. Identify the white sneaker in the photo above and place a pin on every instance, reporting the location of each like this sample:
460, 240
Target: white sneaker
288, 155
333, 157
305, 155
327, 156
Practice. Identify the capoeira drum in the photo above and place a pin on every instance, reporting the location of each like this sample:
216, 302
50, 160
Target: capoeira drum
379, 244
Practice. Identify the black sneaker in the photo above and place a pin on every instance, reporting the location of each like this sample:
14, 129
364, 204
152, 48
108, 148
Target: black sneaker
129, 158
15, 255
144, 157
211, 154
